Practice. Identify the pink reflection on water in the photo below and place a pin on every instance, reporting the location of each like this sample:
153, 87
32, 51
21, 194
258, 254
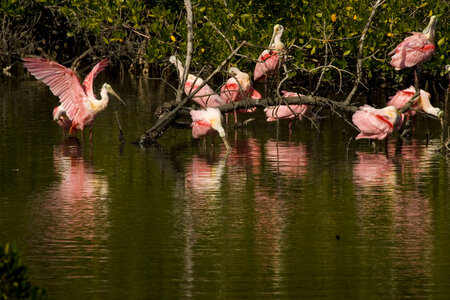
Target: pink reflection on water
373, 169
73, 214
203, 178
393, 209
269, 210
290, 159
243, 162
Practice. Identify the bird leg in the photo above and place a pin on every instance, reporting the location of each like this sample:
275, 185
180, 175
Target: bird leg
290, 128
90, 135
417, 73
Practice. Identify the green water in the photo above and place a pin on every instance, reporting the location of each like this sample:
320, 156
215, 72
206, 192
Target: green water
311, 216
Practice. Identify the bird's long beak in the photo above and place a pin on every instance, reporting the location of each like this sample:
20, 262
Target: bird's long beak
430, 28
117, 96
275, 31
227, 145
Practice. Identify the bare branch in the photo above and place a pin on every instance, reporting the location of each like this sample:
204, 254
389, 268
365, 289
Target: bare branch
164, 121
220, 33
360, 52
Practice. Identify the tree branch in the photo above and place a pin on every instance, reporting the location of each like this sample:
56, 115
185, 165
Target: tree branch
166, 119
360, 53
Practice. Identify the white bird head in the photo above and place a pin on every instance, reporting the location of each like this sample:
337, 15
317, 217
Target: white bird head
276, 38
278, 29
215, 119
173, 59
233, 71
424, 102
394, 116
429, 31
178, 64
110, 90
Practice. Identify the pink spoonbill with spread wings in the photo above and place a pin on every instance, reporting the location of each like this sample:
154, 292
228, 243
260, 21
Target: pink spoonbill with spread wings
415, 49
205, 97
79, 106
271, 59
206, 121
376, 123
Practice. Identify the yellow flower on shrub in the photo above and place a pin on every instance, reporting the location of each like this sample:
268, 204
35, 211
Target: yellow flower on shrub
333, 17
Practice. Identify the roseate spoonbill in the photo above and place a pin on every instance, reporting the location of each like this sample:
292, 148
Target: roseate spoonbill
78, 102
287, 112
415, 49
61, 118
237, 88
376, 123
423, 102
271, 59
205, 97
205, 121
401, 98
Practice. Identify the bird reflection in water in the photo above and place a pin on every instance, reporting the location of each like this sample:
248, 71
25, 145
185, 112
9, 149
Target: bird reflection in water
393, 208
73, 215
289, 159
243, 163
373, 170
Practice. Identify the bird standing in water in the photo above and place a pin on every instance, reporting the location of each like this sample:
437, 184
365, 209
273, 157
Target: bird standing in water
237, 88
206, 121
205, 97
376, 123
287, 112
271, 59
79, 106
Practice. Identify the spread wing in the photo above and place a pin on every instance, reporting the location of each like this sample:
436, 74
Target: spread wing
63, 83
88, 83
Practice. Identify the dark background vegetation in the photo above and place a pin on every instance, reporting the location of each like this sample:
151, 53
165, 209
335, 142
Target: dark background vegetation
139, 36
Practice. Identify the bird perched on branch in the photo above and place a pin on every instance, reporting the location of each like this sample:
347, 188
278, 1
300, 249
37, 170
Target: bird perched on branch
287, 112
415, 49
205, 97
401, 98
79, 106
271, 59
206, 121
376, 123
237, 88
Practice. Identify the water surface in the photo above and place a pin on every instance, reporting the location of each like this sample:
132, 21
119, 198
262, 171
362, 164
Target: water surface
307, 216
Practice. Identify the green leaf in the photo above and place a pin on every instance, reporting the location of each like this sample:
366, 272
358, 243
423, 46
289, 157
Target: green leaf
347, 52
441, 41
